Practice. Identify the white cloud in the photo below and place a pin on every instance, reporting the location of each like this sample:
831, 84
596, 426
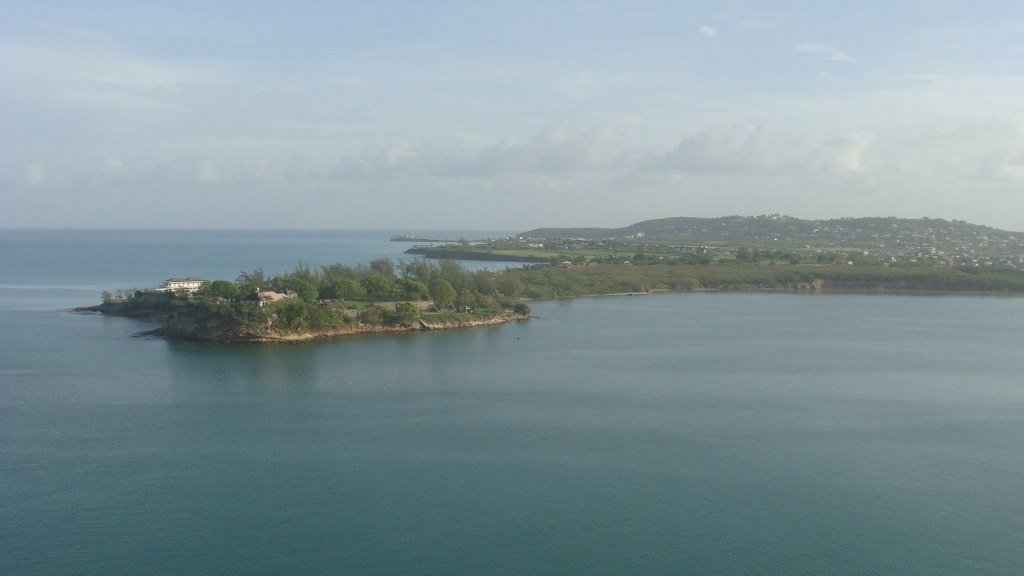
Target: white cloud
207, 172
94, 59
992, 151
33, 174
842, 155
727, 150
765, 151
111, 166
1003, 165
722, 169
825, 51
185, 170
707, 31
554, 151
578, 86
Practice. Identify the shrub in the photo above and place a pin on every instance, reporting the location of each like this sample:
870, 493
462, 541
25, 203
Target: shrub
412, 290
292, 314
404, 312
370, 316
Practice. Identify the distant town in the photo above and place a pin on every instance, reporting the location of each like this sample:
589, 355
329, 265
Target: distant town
877, 241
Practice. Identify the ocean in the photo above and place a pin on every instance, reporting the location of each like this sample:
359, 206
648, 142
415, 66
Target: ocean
676, 433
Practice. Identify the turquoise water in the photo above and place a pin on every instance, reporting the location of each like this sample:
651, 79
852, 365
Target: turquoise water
665, 434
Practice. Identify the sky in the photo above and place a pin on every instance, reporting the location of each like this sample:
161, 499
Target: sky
506, 116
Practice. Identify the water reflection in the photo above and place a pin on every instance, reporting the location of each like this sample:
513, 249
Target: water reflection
413, 362
207, 369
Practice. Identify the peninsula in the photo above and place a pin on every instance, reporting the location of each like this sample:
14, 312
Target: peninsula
310, 304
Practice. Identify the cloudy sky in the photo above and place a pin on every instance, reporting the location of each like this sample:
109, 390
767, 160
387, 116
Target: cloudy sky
507, 116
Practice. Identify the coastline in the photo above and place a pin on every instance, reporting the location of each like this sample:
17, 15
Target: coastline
315, 312
456, 254
213, 334
206, 335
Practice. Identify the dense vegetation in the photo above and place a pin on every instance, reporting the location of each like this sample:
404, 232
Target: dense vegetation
543, 281
384, 293
332, 296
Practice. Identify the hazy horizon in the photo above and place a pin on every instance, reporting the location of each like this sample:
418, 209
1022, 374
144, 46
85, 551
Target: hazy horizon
450, 230
400, 116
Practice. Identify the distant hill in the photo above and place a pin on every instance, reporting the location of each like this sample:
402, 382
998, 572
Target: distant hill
781, 231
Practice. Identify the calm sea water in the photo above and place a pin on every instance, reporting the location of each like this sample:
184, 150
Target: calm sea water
665, 434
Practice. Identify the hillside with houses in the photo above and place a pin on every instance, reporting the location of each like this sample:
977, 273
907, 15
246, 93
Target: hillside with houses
875, 241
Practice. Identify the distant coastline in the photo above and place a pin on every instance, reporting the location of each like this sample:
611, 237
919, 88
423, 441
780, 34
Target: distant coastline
446, 253
877, 241
405, 238
383, 296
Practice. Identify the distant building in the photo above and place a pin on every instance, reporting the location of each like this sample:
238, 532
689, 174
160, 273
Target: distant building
262, 297
191, 284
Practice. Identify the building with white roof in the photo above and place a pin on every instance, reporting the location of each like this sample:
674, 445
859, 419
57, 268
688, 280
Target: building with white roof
174, 284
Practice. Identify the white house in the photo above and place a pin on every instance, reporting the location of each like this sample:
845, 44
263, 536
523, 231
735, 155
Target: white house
174, 284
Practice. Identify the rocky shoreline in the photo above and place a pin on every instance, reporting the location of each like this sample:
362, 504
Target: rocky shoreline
189, 331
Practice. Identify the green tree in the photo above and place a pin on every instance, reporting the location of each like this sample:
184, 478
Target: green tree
377, 287
466, 298
521, 308
442, 293
495, 303
455, 274
510, 285
342, 288
485, 281
383, 266
420, 268
335, 271
223, 289
304, 272
107, 296
248, 282
412, 290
